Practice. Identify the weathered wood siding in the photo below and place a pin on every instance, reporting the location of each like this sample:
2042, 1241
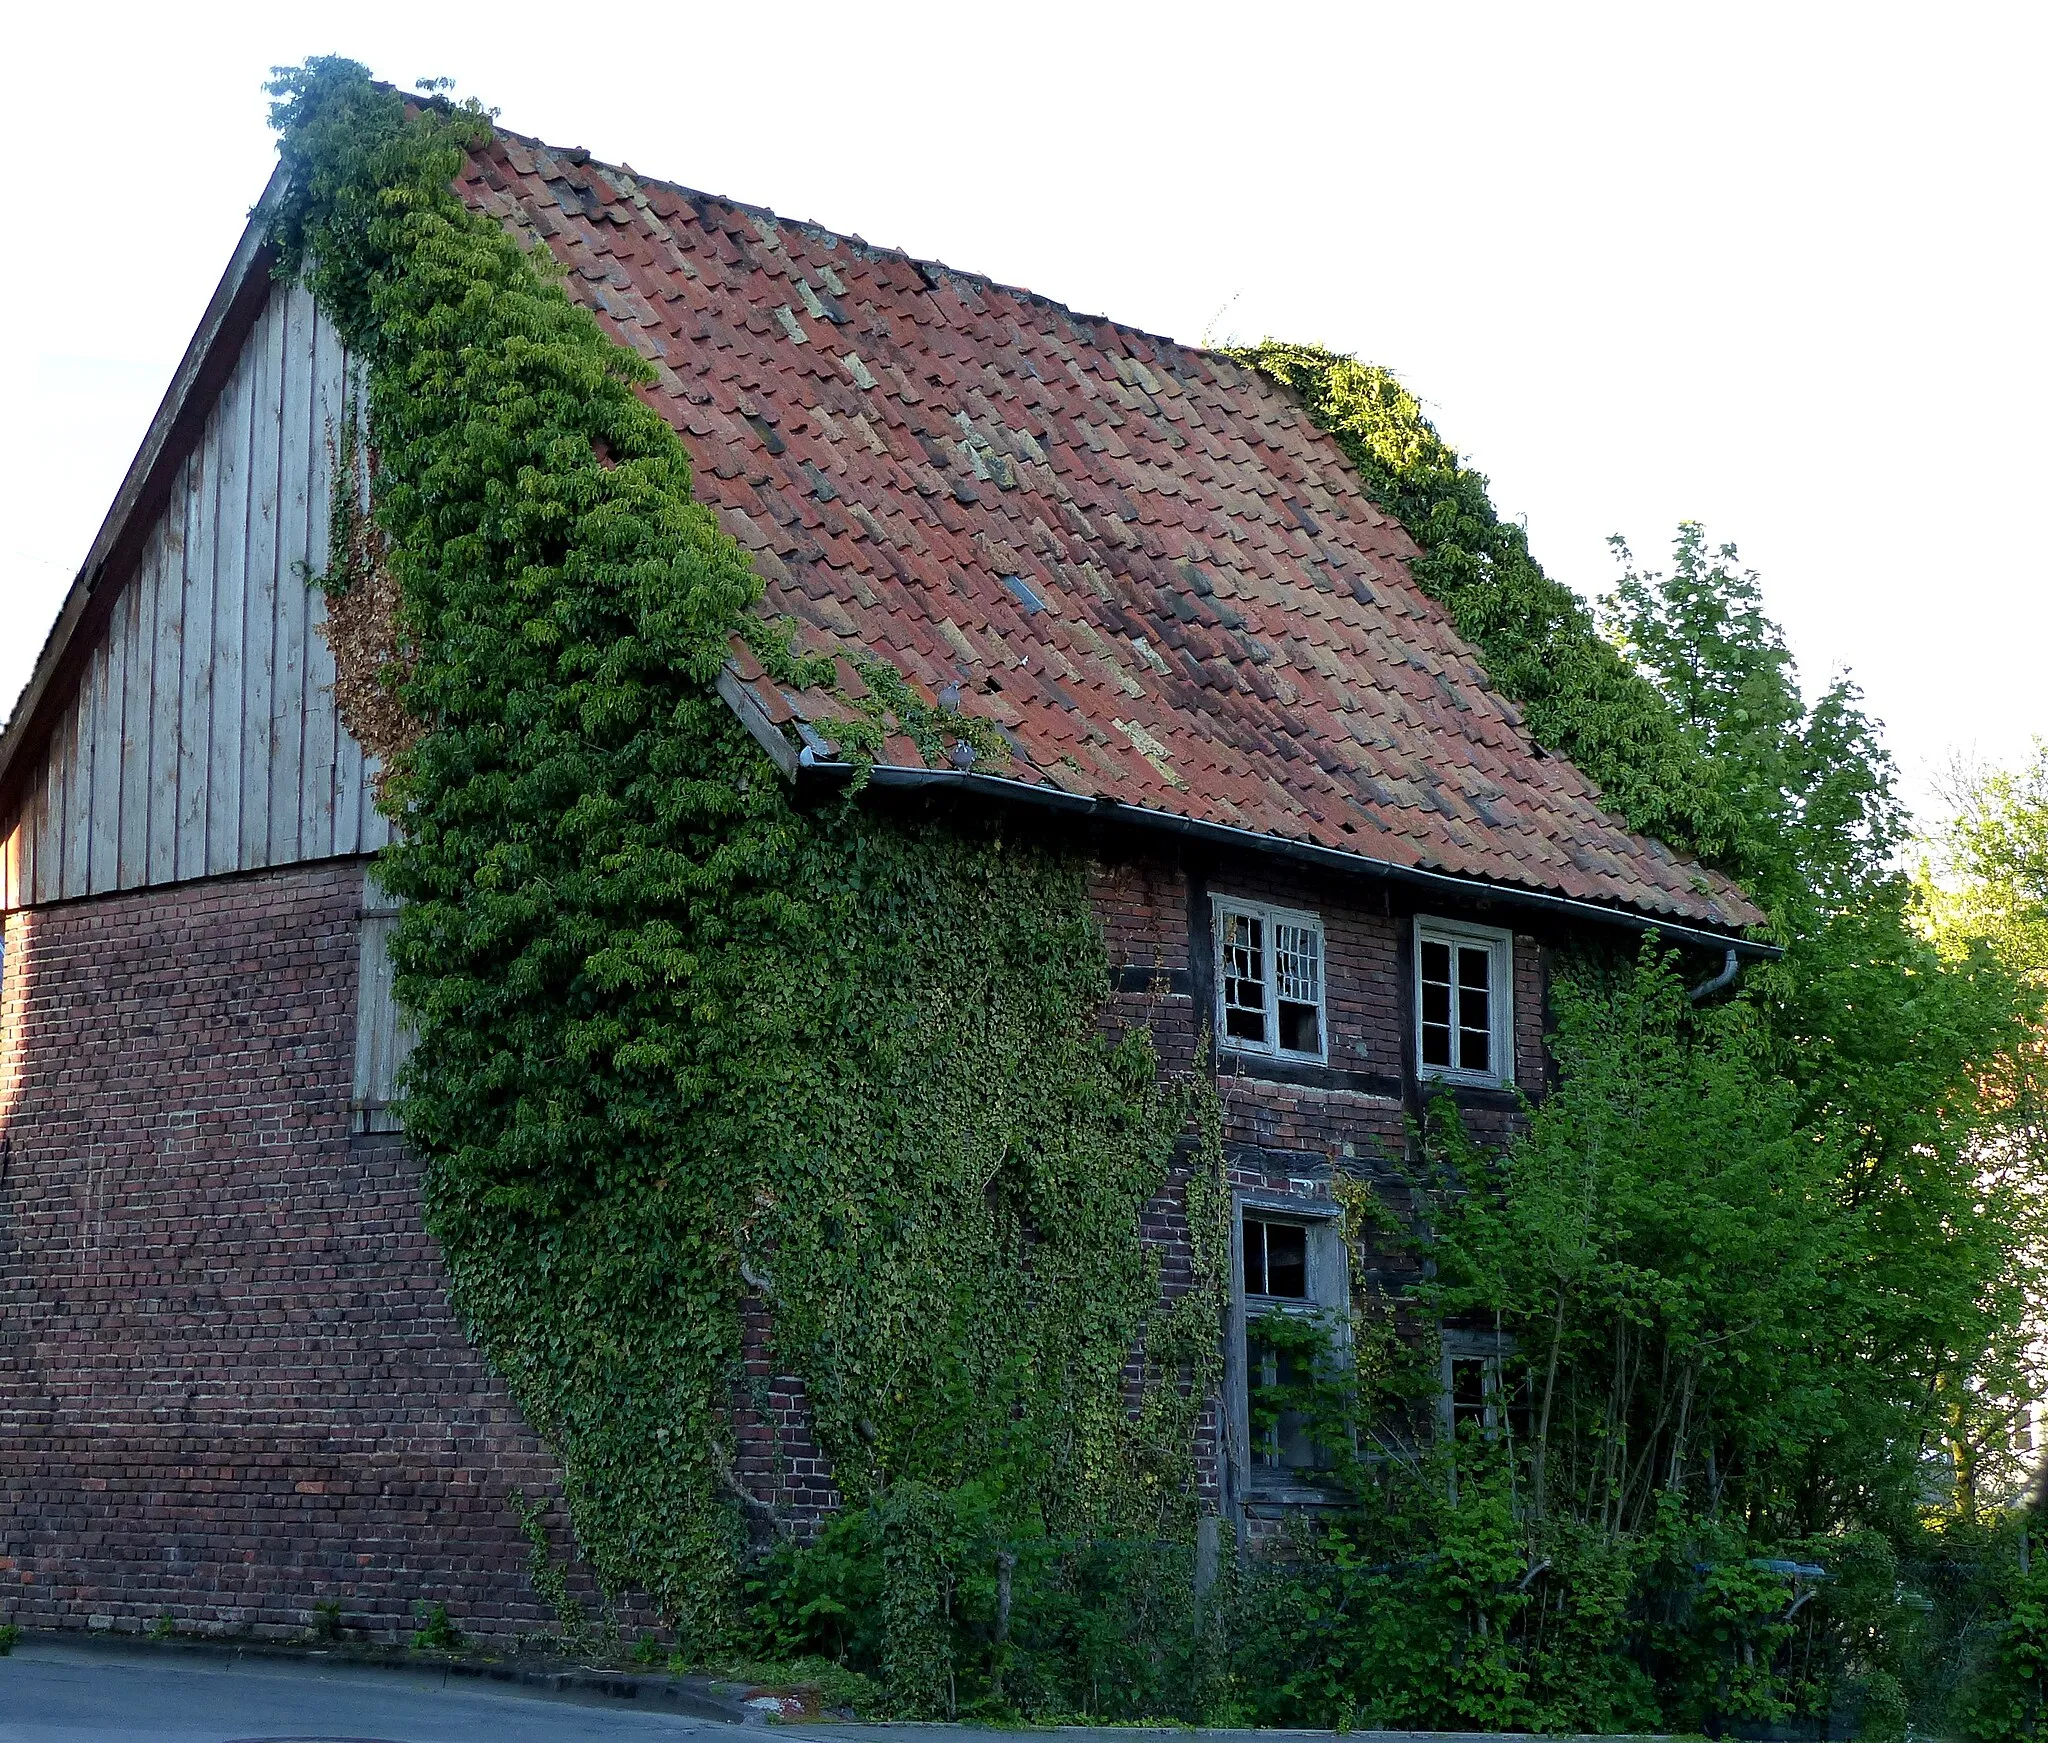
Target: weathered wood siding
204, 739
384, 1039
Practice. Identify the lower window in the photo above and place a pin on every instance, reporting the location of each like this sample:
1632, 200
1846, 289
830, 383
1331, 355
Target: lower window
1291, 1350
1475, 1395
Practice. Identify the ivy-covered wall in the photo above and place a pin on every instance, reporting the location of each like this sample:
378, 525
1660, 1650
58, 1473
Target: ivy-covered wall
681, 1040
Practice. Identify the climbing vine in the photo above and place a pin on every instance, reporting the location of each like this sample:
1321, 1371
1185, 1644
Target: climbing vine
1578, 692
684, 1045
690, 1051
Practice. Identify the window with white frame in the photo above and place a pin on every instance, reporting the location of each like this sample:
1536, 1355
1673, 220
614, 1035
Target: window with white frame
1464, 1002
1269, 980
1293, 1285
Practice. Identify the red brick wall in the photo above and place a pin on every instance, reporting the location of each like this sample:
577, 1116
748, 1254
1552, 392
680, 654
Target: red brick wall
1290, 1129
231, 1386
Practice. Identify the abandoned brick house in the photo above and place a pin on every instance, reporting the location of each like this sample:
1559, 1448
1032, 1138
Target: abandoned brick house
230, 1381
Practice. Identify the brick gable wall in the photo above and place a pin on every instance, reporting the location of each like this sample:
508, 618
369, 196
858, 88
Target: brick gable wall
231, 1386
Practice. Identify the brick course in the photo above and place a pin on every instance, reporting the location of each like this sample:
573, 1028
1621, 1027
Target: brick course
231, 1386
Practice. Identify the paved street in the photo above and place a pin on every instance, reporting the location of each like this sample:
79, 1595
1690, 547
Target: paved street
62, 1694
51, 1692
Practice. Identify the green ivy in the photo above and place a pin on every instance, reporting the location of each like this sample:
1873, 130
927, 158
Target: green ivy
1579, 694
682, 1042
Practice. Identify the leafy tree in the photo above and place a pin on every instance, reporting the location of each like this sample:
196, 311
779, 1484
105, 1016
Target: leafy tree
1983, 896
1992, 866
1812, 790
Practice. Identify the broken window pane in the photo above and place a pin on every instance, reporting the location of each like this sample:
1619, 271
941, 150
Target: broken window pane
1298, 984
1244, 978
1275, 1258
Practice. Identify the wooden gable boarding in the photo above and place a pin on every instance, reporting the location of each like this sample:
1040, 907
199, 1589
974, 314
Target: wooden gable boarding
201, 737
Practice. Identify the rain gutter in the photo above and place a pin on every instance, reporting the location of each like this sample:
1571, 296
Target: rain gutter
812, 770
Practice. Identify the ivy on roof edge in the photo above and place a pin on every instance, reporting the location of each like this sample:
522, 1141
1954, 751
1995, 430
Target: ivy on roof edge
1578, 692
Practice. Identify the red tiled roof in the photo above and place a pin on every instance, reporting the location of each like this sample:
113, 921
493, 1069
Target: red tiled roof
1139, 560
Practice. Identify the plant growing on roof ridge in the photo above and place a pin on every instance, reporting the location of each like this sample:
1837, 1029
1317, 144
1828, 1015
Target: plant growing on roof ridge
681, 1041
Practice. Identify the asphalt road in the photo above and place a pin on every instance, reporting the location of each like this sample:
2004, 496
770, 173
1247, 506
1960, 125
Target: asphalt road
52, 1693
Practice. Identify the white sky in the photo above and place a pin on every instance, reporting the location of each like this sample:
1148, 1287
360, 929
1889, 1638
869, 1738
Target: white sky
1777, 268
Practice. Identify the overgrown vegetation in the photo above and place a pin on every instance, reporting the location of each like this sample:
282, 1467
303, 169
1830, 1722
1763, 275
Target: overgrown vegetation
1762, 1271
681, 1044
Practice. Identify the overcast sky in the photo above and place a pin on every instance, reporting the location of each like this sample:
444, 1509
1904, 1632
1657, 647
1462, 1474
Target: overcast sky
1774, 268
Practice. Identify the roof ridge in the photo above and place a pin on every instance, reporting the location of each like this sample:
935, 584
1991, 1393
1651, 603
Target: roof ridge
870, 250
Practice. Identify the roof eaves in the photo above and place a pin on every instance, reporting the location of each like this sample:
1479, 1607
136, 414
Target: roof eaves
1113, 811
176, 424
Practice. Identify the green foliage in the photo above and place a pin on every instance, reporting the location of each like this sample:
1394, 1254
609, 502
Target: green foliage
682, 1044
1579, 694
436, 1633
1810, 788
10, 1637
1661, 1243
1993, 864
550, 1577
936, 1598
2007, 1698
687, 1049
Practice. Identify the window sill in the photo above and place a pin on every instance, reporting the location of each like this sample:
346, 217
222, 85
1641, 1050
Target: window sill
1463, 1080
1229, 1049
1307, 1072
1289, 1490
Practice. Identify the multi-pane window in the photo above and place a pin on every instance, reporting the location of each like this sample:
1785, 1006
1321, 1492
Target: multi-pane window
1464, 1026
1269, 980
1288, 1347
1472, 1390
1476, 1386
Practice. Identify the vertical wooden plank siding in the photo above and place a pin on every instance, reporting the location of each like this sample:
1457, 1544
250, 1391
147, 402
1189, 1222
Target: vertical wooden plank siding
230, 599
383, 1042
265, 358
203, 739
78, 776
295, 464
136, 614
323, 727
166, 582
195, 635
